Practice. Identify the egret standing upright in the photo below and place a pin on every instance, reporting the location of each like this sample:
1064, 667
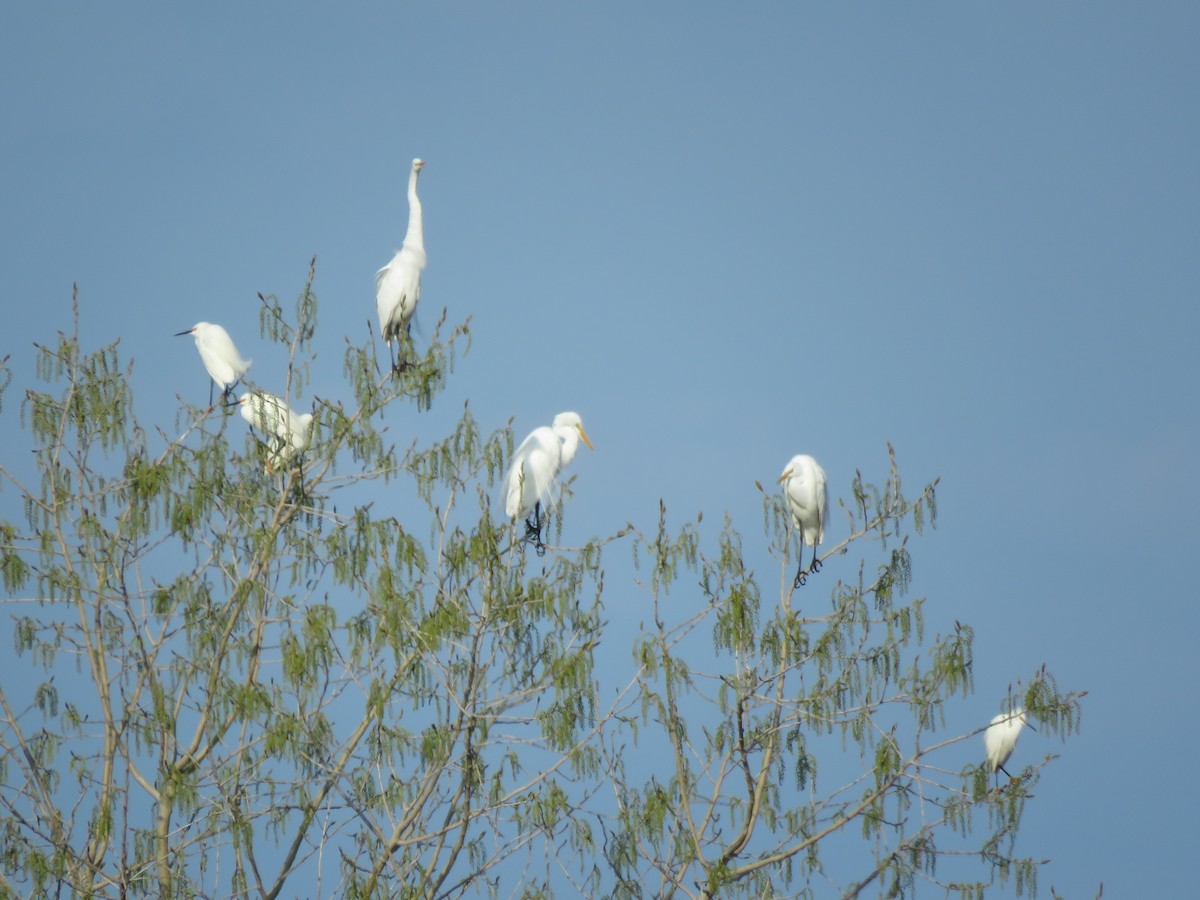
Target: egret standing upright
533, 476
219, 356
1000, 740
398, 284
804, 484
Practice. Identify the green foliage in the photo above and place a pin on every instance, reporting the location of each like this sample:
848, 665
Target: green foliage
790, 686
240, 685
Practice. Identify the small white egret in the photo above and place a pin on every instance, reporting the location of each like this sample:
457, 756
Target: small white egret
219, 356
289, 432
1000, 739
398, 284
804, 484
533, 476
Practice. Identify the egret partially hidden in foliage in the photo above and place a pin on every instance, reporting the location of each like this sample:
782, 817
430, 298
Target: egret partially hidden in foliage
804, 483
219, 356
533, 476
288, 433
1000, 739
398, 284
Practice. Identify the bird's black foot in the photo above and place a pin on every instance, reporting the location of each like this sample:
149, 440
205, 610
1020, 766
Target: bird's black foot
533, 534
803, 573
227, 398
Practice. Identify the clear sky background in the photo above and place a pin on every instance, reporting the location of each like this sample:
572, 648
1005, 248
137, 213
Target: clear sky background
725, 234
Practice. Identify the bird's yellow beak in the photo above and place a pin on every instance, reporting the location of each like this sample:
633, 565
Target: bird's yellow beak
583, 434
785, 476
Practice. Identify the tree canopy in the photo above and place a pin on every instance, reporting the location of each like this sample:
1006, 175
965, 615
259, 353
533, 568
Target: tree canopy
248, 677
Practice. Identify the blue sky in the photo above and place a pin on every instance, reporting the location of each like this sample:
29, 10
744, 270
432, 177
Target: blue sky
725, 234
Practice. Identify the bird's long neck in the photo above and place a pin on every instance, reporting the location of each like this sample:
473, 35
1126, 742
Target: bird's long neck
416, 231
570, 443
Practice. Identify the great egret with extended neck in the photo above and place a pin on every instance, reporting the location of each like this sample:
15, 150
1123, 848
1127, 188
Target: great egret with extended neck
1000, 739
219, 356
290, 432
804, 483
533, 476
398, 284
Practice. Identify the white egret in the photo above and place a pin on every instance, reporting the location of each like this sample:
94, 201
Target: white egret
398, 284
804, 484
219, 356
533, 476
1000, 739
289, 432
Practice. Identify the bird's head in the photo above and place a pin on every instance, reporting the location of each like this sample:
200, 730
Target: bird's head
195, 329
572, 420
418, 165
795, 463
1014, 719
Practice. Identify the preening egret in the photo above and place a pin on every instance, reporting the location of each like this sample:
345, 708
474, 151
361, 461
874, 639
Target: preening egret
398, 284
804, 483
1000, 739
289, 432
533, 476
219, 356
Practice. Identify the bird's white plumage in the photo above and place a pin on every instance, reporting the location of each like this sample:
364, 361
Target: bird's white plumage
533, 475
290, 432
218, 353
804, 483
1000, 739
398, 284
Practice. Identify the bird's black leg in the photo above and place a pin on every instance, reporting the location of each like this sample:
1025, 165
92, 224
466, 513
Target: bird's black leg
211, 384
532, 526
816, 563
803, 573
996, 772
537, 530
300, 478
533, 529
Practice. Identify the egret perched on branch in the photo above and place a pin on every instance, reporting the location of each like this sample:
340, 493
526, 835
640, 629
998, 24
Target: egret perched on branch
289, 432
398, 284
1000, 739
219, 356
804, 484
533, 476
